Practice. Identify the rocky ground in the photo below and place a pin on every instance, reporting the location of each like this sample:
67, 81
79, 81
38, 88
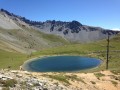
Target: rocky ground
23, 80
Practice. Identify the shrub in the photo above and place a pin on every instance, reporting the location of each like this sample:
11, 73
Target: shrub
115, 72
115, 83
5, 88
93, 82
98, 75
8, 83
74, 77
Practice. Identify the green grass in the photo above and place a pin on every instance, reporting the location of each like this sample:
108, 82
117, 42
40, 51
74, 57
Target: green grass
74, 77
65, 78
95, 49
59, 77
53, 38
11, 59
71, 49
49, 37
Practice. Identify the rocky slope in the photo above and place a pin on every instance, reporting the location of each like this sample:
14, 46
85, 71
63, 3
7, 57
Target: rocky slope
75, 31
20, 34
16, 35
22, 80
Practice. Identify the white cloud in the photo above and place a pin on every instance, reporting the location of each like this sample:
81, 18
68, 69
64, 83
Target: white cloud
116, 29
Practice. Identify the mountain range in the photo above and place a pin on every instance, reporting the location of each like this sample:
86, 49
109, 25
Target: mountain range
23, 35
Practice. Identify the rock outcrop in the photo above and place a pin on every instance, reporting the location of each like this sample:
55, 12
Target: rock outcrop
23, 80
73, 31
22, 35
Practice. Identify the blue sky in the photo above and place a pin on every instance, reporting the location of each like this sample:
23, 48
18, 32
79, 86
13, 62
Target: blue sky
101, 13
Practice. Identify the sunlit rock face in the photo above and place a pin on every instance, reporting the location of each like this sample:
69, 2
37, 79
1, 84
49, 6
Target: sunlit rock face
75, 31
72, 31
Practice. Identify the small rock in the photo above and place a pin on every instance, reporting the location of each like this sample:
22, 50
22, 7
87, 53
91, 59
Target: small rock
19, 75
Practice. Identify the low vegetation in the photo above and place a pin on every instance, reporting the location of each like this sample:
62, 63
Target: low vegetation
74, 78
93, 82
115, 77
115, 72
11, 60
59, 77
53, 38
65, 78
98, 75
8, 83
114, 83
95, 49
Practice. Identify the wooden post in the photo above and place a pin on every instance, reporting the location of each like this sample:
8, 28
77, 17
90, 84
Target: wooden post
107, 52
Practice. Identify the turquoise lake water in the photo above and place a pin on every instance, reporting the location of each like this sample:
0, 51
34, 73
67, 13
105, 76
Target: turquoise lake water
61, 64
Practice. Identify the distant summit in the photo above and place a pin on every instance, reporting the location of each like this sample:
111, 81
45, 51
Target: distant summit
72, 31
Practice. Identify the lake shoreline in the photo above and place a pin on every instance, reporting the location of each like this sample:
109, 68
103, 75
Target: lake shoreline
26, 66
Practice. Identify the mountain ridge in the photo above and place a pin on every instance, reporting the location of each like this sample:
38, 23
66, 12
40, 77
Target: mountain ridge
20, 37
23, 34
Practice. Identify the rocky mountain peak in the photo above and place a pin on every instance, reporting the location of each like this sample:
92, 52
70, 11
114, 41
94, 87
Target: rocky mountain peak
73, 30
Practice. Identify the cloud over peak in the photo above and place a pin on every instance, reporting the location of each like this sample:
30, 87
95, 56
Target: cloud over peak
116, 29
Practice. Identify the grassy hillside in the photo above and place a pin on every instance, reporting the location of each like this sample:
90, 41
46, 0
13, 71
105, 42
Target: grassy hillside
96, 49
11, 59
26, 40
